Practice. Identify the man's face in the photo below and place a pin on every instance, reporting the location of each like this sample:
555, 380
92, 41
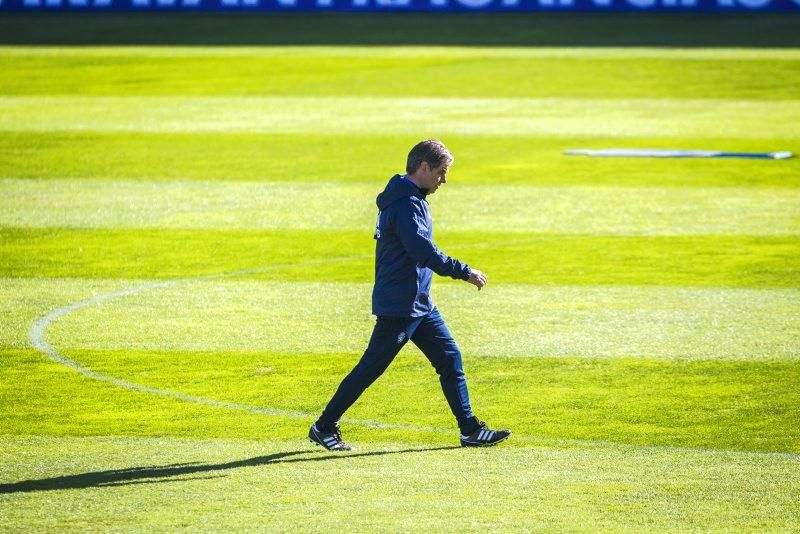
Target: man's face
435, 177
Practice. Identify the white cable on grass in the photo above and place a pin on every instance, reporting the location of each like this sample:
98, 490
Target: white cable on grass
660, 153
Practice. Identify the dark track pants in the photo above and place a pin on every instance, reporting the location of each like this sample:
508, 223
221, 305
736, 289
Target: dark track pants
390, 334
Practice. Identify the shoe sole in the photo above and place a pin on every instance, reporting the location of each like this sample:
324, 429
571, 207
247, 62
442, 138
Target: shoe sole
315, 442
492, 444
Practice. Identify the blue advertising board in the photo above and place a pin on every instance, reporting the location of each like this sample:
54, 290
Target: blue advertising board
705, 6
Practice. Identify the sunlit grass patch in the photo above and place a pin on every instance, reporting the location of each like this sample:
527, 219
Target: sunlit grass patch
308, 255
586, 210
345, 115
441, 71
331, 158
526, 320
706, 404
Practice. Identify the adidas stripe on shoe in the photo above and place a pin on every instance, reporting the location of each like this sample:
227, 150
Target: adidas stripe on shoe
484, 437
331, 441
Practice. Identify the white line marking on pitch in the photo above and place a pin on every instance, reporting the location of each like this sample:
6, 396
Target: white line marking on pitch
37, 334
38, 329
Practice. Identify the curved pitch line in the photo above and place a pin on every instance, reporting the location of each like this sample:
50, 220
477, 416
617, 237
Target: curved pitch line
37, 332
38, 329
36, 336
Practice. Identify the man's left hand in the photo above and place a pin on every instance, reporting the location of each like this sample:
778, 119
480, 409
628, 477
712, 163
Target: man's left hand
477, 278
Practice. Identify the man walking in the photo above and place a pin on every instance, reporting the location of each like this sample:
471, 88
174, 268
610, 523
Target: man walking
405, 260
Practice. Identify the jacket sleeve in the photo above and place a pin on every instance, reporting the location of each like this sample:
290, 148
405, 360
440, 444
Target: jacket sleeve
412, 229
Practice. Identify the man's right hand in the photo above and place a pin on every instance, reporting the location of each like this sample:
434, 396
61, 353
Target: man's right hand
477, 278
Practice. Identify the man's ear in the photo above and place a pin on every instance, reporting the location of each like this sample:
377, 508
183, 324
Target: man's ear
425, 167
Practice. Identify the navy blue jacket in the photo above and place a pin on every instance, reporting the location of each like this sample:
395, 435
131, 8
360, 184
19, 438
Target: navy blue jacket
405, 255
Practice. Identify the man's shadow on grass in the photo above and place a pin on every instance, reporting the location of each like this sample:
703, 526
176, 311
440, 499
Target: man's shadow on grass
177, 472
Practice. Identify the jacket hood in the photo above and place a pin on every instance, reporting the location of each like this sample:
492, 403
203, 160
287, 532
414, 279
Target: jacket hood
397, 188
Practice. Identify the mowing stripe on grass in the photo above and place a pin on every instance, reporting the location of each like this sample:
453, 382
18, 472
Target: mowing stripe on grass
743, 406
451, 72
565, 209
528, 321
302, 158
745, 119
508, 258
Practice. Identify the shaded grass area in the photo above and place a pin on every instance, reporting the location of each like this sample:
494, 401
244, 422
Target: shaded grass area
703, 404
301, 158
179, 484
692, 261
361, 71
509, 29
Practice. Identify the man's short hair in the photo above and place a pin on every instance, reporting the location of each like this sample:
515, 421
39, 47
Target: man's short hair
431, 150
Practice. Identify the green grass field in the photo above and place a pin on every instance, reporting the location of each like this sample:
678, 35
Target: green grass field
186, 266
